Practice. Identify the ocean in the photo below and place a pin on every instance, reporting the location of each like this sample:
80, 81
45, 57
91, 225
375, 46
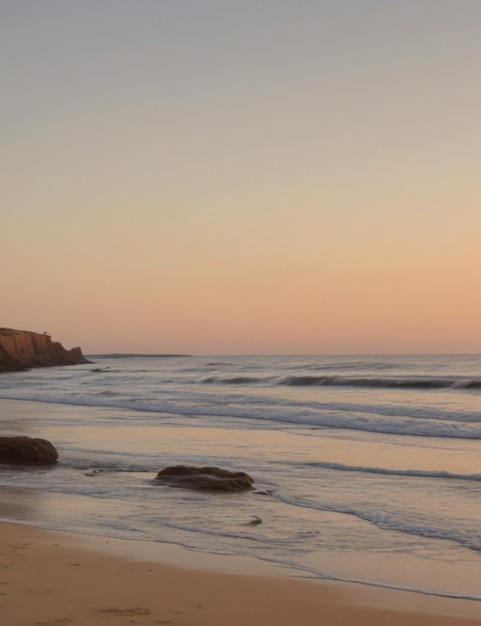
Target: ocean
367, 468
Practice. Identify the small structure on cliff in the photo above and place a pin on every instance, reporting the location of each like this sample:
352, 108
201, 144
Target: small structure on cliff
23, 349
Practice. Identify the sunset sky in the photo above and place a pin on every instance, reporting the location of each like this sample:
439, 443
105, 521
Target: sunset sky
241, 177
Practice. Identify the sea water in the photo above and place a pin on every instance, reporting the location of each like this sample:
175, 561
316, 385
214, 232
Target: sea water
366, 469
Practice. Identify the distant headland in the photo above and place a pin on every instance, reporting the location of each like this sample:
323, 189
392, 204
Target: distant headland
140, 355
23, 349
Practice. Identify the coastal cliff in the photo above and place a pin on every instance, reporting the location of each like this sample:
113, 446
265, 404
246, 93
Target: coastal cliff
23, 349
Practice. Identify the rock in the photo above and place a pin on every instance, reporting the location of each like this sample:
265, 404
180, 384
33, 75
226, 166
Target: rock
210, 478
27, 451
22, 349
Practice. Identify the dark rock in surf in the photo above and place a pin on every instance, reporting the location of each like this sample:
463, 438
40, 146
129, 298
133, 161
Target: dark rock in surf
208, 478
27, 451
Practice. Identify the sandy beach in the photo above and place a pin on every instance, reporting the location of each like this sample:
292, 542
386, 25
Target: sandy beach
53, 578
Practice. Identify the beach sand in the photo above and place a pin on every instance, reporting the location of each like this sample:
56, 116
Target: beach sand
53, 578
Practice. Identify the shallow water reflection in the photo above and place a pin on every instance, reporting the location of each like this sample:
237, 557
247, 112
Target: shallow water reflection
20, 504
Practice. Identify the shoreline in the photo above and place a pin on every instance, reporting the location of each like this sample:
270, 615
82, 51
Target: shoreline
52, 578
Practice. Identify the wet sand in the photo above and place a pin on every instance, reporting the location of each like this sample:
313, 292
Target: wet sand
54, 578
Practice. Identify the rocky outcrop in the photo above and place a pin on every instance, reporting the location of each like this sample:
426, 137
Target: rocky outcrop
210, 478
22, 349
27, 451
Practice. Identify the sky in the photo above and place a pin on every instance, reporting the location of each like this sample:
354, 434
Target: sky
242, 177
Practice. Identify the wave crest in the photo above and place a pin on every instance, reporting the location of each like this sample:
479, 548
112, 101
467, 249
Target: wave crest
382, 382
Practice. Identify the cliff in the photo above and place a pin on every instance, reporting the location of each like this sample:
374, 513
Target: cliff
22, 349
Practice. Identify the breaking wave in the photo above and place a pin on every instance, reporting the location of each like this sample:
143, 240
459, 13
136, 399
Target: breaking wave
394, 472
350, 381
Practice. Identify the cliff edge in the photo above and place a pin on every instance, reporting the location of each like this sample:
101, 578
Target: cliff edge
22, 349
